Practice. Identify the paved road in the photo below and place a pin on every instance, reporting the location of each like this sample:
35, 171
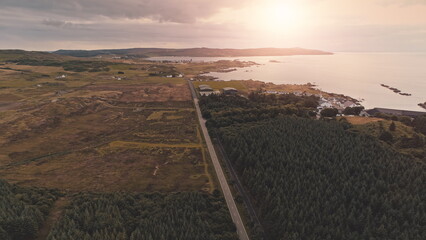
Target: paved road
236, 218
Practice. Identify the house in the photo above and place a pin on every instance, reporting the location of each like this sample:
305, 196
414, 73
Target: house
205, 88
209, 93
229, 90
61, 92
395, 112
119, 78
364, 114
61, 76
325, 104
349, 104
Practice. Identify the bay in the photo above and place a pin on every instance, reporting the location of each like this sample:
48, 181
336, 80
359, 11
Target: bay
358, 75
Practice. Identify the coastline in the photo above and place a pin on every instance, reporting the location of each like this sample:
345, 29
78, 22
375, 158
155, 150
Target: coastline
335, 74
306, 89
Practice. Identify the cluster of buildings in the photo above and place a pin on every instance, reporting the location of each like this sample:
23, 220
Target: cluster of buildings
206, 90
297, 93
174, 61
340, 103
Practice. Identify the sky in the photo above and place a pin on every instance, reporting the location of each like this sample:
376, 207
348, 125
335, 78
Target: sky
332, 25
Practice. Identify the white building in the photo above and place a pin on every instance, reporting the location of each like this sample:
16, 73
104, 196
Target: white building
349, 104
61, 76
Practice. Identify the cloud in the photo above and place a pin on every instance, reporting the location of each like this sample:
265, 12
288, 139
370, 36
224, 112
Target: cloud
93, 24
403, 2
179, 11
60, 23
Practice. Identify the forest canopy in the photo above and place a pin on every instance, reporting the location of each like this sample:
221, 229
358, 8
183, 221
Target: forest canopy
314, 180
146, 216
23, 210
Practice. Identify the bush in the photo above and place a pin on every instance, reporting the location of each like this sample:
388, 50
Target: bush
419, 124
329, 112
386, 137
353, 110
392, 127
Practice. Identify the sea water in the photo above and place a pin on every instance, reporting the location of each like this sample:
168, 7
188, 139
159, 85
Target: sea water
358, 75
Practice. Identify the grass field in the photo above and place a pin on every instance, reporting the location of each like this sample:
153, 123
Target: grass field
219, 85
355, 120
374, 126
400, 136
92, 132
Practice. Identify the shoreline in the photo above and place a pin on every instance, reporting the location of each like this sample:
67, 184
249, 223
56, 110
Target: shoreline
306, 89
368, 93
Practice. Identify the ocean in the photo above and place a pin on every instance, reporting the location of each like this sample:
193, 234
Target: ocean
358, 75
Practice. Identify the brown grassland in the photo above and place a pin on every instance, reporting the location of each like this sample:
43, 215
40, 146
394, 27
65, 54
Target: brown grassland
355, 120
100, 131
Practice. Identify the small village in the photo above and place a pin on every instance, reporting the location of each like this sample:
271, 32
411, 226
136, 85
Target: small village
338, 102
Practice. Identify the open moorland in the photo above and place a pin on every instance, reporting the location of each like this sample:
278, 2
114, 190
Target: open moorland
90, 125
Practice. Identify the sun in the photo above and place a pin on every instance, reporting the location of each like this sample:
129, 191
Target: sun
281, 13
280, 16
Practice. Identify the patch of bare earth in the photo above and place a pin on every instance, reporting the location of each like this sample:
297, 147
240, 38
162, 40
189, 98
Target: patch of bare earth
54, 216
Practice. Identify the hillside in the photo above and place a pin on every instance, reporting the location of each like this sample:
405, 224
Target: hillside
17, 55
194, 52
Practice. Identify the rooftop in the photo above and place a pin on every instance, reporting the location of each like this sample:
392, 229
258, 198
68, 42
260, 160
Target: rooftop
229, 89
396, 112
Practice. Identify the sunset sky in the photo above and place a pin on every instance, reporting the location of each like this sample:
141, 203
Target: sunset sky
333, 25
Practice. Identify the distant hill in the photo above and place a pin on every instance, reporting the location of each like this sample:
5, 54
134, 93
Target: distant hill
193, 52
16, 55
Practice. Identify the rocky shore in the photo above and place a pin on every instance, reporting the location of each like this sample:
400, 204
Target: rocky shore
395, 90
